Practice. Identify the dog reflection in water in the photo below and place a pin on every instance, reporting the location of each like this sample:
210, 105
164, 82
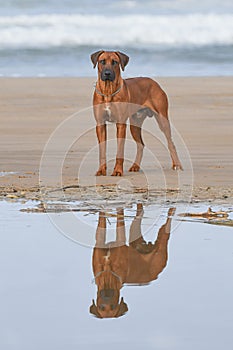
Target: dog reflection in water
116, 263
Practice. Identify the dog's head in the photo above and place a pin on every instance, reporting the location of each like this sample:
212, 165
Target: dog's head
109, 63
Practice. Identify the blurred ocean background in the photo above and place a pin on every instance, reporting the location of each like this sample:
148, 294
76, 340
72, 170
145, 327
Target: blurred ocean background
162, 37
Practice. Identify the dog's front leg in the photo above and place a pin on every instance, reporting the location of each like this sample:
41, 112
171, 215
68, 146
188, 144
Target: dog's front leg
101, 133
120, 228
121, 133
101, 231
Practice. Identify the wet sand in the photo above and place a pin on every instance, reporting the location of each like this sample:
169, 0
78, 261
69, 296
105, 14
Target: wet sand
31, 109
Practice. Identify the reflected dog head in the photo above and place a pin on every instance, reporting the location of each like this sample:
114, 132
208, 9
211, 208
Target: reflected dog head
108, 295
107, 306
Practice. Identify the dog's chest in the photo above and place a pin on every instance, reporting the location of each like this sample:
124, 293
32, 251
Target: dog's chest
109, 114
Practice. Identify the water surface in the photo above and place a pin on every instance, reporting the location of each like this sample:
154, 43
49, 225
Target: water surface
47, 283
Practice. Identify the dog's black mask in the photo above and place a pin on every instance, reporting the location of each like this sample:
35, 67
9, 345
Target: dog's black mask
107, 74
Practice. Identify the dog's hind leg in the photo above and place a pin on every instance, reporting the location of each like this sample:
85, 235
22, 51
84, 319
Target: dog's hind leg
165, 127
136, 121
121, 133
160, 107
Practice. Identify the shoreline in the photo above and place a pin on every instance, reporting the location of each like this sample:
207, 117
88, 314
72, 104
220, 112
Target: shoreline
107, 193
200, 111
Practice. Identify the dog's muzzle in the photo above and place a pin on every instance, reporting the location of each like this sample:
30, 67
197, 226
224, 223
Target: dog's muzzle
107, 74
107, 295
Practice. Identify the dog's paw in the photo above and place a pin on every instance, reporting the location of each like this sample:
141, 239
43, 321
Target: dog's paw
134, 168
117, 172
102, 171
171, 212
177, 167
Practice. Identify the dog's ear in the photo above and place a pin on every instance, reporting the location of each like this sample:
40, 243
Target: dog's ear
95, 56
123, 308
93, 310
124, 59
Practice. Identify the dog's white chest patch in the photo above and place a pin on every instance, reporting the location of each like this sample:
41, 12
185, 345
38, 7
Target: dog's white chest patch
108, 113
108, 110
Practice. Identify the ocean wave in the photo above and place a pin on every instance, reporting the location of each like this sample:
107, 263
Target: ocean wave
57, 30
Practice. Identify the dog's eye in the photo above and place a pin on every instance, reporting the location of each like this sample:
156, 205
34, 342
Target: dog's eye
112, 307
102, 307
103, 62
114, 63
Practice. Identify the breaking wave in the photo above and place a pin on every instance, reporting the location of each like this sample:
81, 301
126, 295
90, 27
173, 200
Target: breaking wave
59, 30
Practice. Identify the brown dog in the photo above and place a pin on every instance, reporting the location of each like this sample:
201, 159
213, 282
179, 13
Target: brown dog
139, 97
116, 263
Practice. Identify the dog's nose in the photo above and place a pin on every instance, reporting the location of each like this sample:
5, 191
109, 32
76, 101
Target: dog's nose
107, 73
107, 294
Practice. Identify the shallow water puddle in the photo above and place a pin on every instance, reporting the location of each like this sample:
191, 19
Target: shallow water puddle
139, 276
6, 173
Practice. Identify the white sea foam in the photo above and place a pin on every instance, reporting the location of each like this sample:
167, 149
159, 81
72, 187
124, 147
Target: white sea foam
56, 30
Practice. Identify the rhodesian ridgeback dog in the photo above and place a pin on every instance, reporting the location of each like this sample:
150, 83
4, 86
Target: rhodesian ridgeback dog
138, 97
117, 263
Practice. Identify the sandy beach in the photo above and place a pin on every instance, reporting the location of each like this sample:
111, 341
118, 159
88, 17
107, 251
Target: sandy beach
32, 108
